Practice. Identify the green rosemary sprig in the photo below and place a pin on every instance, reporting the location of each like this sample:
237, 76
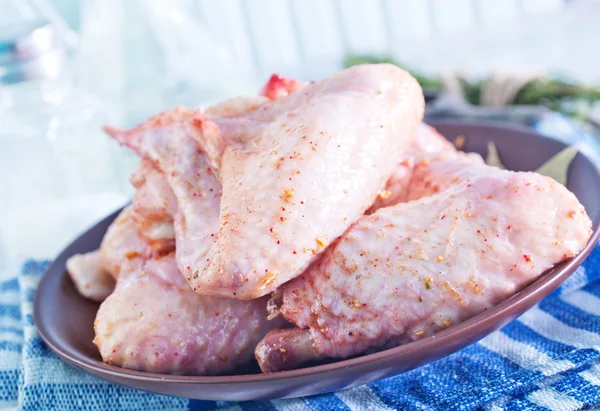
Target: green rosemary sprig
550, 92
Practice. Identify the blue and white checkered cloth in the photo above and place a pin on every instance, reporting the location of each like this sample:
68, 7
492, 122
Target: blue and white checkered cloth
547, 359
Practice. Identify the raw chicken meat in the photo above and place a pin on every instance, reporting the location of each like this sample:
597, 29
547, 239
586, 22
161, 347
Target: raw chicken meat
295, 172
122, 249
406, 271
166, 140
89, 277
154, 322
140, 231
154, 206
428, 142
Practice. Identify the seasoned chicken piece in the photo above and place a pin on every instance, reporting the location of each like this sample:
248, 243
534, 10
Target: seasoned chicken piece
89, 277
154, 206
166, 141
428, 142
235, 107
154, 322
141, 230
122, 249
295, 172
409, 270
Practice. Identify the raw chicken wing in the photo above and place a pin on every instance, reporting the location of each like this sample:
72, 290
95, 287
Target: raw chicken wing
428, 142
154, 322
406, 271
295, 172
89, 277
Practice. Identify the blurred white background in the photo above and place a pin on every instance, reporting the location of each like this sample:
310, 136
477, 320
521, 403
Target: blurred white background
307, 38
127, 60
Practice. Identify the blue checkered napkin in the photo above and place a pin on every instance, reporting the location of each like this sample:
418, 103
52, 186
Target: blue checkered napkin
548, 358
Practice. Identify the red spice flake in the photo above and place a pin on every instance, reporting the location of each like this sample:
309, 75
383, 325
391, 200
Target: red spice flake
294, 252
281, 218
478, 231
176, 353
278, 241
271, 229
442, 217
571, 214
301, 202
565, 256
216, 314
527, 258
508, 227
282, 208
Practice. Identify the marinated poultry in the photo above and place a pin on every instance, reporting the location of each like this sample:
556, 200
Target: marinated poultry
428, 142
89, 276
370, 229
296, 173
406, 271
153, 321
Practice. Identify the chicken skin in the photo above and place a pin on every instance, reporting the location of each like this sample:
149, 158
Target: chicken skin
154, 206
428, 142
295, 174
154, 322
461, 246
89, 276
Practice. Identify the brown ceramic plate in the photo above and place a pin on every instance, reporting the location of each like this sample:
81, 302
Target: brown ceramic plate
65, 319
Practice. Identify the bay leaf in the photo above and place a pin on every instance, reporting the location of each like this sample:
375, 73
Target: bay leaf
558, 166
493, 159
